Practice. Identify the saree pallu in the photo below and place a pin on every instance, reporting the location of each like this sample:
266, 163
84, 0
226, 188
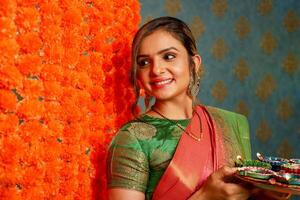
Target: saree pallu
142, 150
194, 160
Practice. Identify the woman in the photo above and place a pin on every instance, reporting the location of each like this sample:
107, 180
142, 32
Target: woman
177, 149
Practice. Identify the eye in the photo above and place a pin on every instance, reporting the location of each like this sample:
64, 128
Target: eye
169, 56
143, 62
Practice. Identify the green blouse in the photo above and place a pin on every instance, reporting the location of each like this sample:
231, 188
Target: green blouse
142, 149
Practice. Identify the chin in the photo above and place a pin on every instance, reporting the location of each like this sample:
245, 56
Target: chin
164, 97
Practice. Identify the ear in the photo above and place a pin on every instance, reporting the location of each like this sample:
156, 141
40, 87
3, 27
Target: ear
197, 60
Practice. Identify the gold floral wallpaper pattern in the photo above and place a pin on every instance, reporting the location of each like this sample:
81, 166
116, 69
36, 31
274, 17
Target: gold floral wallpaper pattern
250, 50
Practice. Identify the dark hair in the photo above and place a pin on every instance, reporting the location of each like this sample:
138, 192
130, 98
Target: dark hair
179, 30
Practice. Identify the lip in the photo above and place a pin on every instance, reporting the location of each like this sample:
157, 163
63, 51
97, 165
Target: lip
159, 83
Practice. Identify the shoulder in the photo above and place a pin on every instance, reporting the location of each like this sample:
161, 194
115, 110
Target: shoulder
136, 129
221, 111
235, 126
226, 114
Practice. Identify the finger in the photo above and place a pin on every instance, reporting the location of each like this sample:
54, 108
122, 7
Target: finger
232, 189
219, 177
226, 171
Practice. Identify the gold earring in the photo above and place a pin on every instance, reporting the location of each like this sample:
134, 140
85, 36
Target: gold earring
142, 92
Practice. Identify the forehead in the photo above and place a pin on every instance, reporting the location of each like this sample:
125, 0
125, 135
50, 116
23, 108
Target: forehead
159, 40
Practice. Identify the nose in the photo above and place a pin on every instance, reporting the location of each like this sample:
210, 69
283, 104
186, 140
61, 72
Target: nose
157, 68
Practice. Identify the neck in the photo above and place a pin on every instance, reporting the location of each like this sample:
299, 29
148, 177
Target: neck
181, 109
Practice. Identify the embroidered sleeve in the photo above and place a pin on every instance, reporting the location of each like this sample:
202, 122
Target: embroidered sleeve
127, 164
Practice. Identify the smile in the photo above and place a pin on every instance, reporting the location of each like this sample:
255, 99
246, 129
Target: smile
161, 83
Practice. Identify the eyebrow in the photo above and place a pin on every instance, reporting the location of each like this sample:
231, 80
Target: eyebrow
159, 52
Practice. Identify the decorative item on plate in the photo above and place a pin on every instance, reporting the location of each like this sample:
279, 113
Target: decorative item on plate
275, 162
251, 163
270, 173
256, 172
291, 168
288, 178
294, 160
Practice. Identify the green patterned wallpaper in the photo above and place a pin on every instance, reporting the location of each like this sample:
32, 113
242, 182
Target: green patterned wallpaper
251, 53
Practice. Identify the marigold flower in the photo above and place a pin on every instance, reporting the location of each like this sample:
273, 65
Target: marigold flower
53, 110
7, 152
55, 126
83, 98
52, 90
66, 4
23, 3
51, 33
109, 83
8, 28
8, 101
85, 29
52, 72
33, 87
31, 130
72, 39
107, 67
73, 131
9, 48
97, 92
52, 171
51, 13
29, 64
10, 77
8, 8
10, 193
28, 18
121, 106
31, 108
69, 95
29, 42
105, 48
97, 122
83, 64
129, 94
97, 75
50, 143
53, 52
81, 80
73, 15
97, 59
71, 111
70, 58
8, 123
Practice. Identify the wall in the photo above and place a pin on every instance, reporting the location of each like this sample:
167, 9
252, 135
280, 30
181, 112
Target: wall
250, 52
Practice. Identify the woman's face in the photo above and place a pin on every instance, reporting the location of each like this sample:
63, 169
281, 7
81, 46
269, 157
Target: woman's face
163, 66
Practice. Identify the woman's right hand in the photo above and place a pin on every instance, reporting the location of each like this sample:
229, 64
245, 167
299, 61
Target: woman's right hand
216, 187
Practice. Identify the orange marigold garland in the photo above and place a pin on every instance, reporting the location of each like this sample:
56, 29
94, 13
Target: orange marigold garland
64, 92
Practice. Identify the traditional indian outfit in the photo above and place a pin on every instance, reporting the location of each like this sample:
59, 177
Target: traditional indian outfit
163, 158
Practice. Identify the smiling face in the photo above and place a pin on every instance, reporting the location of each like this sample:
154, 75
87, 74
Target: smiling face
163, 66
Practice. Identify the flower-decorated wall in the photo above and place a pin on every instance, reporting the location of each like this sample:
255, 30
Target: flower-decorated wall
64, 91
64, 88
250, 52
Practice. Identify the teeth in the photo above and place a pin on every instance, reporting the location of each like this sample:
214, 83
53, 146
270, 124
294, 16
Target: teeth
163, 82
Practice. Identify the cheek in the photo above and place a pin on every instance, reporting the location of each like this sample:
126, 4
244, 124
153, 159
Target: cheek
141, 77
183, 74
182, 69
